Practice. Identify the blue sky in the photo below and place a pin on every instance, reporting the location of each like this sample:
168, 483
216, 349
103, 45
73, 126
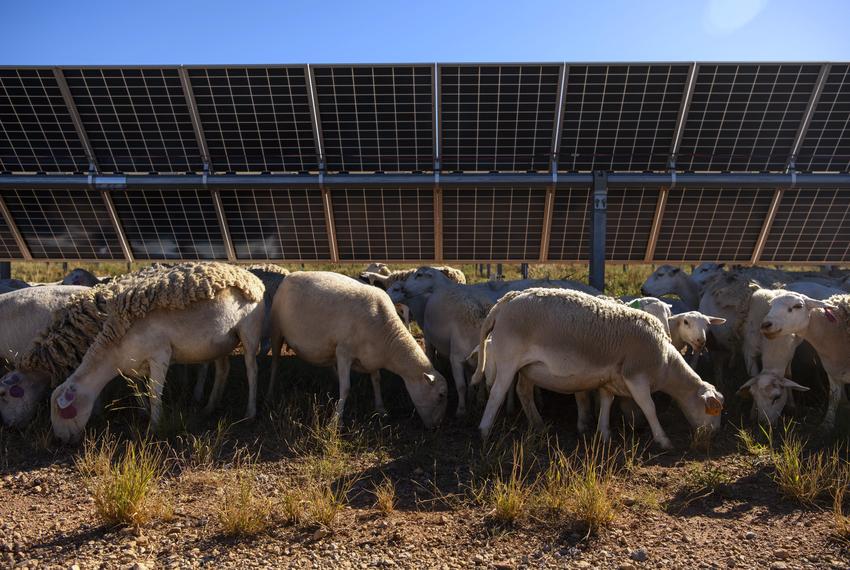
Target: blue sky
330, 31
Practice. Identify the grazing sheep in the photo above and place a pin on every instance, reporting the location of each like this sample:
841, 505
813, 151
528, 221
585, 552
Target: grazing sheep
669, 280
826, 326
568, 342
82, 277
189, 313
385, 280
771, 392
25, 314
329, 319
705, 272
690, 329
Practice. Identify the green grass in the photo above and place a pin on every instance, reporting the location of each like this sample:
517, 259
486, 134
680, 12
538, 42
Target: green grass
243, 511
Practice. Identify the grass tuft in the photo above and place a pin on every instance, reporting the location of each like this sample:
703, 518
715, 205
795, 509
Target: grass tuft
509, 496
325, 501
802, 477
123, 485
385, 496
243, 510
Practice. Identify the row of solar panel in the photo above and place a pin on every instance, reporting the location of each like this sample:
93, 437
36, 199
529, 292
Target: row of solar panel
486, 223
738, 117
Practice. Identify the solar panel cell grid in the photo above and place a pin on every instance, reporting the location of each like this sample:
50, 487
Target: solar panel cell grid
8, 246
710, 224
620, 117
826, 146
745, 117
36, 130
630, 215
497, 118
137, 120
376, 118
64, 224
276, 224
256, 119
570, 235
384, 224
810, 226
493, 223
170, 223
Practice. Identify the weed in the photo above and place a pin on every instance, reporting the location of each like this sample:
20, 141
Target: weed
802, 477
509, 496
704, 479
243, 512
325, 501
203, 450
385, 496
750, 444
842, 520
291, 506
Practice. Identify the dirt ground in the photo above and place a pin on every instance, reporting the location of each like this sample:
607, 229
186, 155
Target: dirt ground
740, 520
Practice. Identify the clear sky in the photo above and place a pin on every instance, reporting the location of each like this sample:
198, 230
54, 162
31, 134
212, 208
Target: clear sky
335, 31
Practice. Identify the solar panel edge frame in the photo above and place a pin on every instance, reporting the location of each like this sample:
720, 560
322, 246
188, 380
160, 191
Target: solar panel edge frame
806, 121
761, 241
682, 118
194, 116
23, 247
117, 225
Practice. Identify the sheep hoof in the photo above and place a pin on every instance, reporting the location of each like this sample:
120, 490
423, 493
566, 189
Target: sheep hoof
665, 443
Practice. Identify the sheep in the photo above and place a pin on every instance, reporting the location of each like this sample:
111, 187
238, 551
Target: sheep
82, 277
669, 280
9, 285
569, 342
826, 326
189, 313
705, 272
384, 280
329, 319
25, 314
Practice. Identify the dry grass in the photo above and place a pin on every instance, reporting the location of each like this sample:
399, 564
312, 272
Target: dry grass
385, 496
202, 451
704, 479
291, 506
243, 510
324, 502
839, 493
509, 496
800, 476
123, 485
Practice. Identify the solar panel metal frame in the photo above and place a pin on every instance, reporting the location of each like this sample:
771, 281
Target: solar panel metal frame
428, 164
842, 89
441, 92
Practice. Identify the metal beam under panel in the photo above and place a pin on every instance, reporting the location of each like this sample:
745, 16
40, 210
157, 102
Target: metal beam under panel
16, 233
660, 205
768, 223
75, 118
222, 222
116, 223
683, 113
807, 118
196, 119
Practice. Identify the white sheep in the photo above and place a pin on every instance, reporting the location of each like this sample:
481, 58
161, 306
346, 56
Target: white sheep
82, 277
826, 326
669, 280
568, 342
331, 320
384, 278
189, 313
25, 313
705, 272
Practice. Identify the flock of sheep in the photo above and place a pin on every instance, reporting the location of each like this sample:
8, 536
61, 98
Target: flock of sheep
67, 341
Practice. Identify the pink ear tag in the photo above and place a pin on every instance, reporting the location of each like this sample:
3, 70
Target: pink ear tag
68, 413
64, 400
16, 392
829, 315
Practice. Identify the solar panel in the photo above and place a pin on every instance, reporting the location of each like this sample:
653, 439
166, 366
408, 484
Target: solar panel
36, 130
256, 119
569, 238
8, 246
745, 117
163, 223
136, 119
711, 224
630, 215
826, 146
497, 117
384, 223
810, 226
276, 223
502, 223
376, 118
64, 224
620, 117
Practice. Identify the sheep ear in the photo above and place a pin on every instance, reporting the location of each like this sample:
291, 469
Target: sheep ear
817, 304
430, 378
790, 384
713, 405
716, 320
744, 390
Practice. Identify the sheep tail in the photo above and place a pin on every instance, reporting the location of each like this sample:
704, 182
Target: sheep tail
486, 328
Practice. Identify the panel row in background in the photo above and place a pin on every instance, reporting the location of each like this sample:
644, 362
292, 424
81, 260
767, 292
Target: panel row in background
478, 224
383, 118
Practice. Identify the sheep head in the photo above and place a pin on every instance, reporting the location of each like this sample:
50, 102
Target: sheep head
790, 314
20, 392
769, 392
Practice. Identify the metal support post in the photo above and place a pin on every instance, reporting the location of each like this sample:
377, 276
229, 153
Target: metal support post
597, 231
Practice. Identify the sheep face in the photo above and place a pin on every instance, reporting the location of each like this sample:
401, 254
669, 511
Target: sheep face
662, 282
70, 409
705, 272
422, 282
20, 392
429, 395
693, 328
396, 292
790, 313
80, 277
770, 395
704, 411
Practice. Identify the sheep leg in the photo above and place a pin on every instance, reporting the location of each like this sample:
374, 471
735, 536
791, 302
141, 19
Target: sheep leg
158, 369
459, 376
222, 368
720, 360
606, 399
584, 407
201, 382
639, 388
343, 369
835, 389
376, 392
525, 392
277, 345
504, 382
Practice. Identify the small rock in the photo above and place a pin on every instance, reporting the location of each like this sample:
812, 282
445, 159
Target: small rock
778, 566
139, 566
626, 566
750, 535
582, 564
639, 555
320, 534
781, 554
504, 565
